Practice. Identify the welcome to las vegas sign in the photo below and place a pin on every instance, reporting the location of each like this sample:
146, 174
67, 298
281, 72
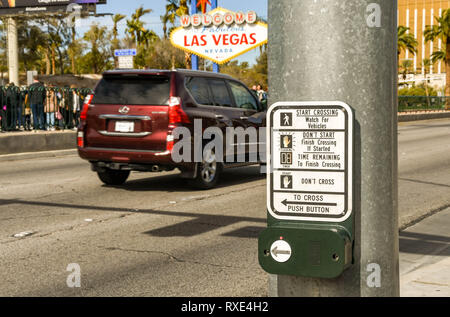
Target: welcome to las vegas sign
220, 35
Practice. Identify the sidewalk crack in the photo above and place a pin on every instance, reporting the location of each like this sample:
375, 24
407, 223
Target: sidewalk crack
171, 256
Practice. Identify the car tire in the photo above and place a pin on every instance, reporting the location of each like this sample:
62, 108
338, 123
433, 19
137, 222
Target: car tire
208, 172
112, 177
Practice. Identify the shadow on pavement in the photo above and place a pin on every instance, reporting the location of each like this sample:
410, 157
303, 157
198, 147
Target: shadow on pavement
173, 182
205, 223
426, 244
201, 223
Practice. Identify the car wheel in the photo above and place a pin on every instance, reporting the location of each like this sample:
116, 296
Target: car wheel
208, 171
112, 177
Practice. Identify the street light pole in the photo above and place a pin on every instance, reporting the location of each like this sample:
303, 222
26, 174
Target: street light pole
13, 51
345, 50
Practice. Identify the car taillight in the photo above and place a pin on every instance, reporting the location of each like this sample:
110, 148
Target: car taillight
176, 116
84, 111
176, 113
80, 139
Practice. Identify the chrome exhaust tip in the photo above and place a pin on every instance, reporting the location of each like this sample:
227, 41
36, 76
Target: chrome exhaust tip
155, 168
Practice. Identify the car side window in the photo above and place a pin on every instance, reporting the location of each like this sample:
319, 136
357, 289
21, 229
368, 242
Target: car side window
198, 87
243, 97
220, 93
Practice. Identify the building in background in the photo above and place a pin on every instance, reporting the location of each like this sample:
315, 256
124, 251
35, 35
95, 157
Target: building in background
417, 14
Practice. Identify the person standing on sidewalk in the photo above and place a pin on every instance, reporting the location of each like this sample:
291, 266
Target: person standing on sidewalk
26, 111
3, 109
37, 97
260, 93
12, 104
68, 110
75, 105
50, 108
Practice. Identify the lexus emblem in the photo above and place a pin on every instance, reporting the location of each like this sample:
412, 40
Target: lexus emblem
124, 110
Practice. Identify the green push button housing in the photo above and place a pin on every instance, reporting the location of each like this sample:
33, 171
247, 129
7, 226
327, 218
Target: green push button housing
306, 250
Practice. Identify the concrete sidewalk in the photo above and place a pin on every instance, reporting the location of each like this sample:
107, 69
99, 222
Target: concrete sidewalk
425, 257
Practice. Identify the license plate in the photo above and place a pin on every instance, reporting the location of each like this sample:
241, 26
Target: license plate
124, 126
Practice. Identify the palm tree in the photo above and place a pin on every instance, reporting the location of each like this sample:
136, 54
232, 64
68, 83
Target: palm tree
97, 37
406, 42
427, 63
140, 12
75, 49
165, 19
135, 27
148, 37
171, 10
55, 42
441, 31
44, 49
60, 38
183, 7
405, 67
30, 39
116, 19
115, 32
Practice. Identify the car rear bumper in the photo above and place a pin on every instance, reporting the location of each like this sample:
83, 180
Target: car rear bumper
133, 157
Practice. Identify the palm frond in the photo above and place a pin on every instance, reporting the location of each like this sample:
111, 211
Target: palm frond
438, 56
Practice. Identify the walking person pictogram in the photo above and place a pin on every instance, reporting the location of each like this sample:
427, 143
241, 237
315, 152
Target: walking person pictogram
286, 119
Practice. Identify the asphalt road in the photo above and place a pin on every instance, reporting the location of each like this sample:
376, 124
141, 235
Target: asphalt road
156, 236
424, 169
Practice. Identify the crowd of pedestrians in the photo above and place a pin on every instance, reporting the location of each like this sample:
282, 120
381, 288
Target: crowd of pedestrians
259, 92
40, 107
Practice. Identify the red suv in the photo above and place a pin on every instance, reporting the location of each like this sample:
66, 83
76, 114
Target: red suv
128, 124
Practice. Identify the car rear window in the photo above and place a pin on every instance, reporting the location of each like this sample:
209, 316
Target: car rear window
133, 90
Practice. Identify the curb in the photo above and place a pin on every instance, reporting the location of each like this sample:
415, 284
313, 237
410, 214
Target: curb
34, 155
26, 142
423, 116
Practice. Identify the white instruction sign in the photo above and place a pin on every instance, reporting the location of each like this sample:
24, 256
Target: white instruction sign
310, 146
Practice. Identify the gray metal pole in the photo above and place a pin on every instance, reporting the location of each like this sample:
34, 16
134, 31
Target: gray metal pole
13, 52
345, 50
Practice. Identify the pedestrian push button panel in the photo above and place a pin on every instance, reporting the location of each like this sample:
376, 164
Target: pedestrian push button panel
309, 251
309, 189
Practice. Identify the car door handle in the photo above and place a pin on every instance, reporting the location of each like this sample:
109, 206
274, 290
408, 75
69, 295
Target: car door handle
244, 118
219, 116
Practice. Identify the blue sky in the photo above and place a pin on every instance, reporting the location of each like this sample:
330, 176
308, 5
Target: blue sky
153, 21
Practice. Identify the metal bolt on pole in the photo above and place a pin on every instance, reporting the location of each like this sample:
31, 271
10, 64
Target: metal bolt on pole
13, 52
345, 50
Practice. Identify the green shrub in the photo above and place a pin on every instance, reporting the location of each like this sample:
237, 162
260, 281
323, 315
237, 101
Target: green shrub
417, 91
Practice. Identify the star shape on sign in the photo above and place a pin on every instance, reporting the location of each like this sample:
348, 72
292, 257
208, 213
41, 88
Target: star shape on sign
203, 4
